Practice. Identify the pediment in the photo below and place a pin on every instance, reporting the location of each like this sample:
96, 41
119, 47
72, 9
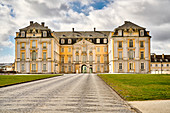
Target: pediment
82, 42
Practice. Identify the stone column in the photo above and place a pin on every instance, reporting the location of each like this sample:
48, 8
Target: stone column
137, 49
39, 67
27, 67
18, 50
125, 51
27, 50
49, 50
39, 50
49, 67
18, 67
146, 50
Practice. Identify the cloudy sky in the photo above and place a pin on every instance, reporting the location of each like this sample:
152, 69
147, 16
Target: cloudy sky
63, 15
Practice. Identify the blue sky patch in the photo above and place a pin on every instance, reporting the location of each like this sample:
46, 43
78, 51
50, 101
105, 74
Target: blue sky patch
97, 5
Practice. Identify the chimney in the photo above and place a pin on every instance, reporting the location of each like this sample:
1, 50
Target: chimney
43, 23
154, 56
94, 29
162, 56
73, 29
31, 22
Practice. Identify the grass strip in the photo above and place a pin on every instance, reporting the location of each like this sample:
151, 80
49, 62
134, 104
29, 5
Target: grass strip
6, 80
135, 87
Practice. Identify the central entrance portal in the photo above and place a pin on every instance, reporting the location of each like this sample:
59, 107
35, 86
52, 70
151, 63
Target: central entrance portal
84, 69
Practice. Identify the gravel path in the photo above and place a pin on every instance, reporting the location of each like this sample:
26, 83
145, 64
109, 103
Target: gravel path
83, 93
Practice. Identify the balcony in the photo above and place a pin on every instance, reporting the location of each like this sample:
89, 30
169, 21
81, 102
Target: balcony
22, 48
33, 71
22, 59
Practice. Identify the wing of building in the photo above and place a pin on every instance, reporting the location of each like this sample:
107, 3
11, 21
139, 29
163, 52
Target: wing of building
38, 50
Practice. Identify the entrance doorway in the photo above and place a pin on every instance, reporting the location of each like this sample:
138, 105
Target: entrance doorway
84, 69
91, 70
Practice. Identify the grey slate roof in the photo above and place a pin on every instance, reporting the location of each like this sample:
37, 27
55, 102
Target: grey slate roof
82, 34
158, 57
128, 25
35, 25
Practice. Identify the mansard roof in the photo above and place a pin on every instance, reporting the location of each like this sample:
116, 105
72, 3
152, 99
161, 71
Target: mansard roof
36, 26
158, 58
82, 34
128, 25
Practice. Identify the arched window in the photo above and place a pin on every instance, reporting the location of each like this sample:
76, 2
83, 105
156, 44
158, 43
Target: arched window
69, 41
44, 33
33, 55
105, 40
98, 40
131, 43
22, 33
62, 41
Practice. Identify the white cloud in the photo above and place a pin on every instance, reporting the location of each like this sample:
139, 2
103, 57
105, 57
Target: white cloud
58, 15
7, 59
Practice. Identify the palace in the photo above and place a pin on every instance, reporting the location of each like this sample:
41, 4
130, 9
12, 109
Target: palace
124, 50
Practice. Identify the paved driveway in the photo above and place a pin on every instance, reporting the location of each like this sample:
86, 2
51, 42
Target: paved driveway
83, 93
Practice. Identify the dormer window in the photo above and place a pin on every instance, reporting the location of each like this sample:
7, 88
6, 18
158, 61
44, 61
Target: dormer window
22, 33
64, 35
44, 33
105, 40
166, 60
141, 32
160, 60
98, 40
62, 41
120, 33
90, 35
69, 41
155, 60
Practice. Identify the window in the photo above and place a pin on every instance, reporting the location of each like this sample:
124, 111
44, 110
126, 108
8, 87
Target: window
33, 44
98, 68
141, 44
120, 44
131, 54
22, 34
84, 48
62, 49
167, 65
130, 66
105, 49
44, 33
34, 67
44, 55
105, 40
22, 67
120, 65
142, 55
120, 32
69, 59
62, 59
105, 68
44, 45
44, 67
130, 43
120, 54
84, 58
162, 65
90, 58
98, 58
77, 50
156, 65
62, 41
62, 68
98, 40
69, 49
98, 49
22, 55
33, 55
141, 32
105, 58
77, 58
69, 41
22, 45
151, 65
69, 68
142, 66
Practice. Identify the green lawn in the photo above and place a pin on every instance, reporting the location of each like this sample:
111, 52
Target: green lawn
139, 86
13, 79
